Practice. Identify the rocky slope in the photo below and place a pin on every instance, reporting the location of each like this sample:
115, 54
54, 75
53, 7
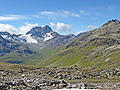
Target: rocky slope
14, 77
97, 48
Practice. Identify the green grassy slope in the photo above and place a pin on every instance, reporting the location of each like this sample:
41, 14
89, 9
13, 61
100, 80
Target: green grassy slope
89, 55
99, 48
31, 59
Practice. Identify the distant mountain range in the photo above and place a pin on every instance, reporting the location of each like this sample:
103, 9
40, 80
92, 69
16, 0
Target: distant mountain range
13, 47
98, 48
43, 36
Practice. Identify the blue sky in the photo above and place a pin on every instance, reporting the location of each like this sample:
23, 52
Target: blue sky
64, 16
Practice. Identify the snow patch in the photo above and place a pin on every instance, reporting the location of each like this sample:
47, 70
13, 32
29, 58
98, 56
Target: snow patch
19, 38
48, 36
6, 37
29, 39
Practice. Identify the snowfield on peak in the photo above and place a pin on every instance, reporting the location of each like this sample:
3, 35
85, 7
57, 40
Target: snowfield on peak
48, 36
29, 38
6, 37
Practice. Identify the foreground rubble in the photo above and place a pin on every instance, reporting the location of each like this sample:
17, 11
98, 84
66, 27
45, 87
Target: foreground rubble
58, 78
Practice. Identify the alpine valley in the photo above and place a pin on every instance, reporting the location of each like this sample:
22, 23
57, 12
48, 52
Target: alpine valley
42, 59
42, 46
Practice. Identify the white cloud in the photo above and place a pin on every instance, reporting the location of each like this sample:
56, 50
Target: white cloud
24, 29
52, 24
75, 15
21, 30
47, 13
12, 17
8, 28
65, 13
58, 14
82, 11
61, 26
92, 27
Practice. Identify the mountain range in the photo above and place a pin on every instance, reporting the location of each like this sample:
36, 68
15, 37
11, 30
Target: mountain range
42, 36
97, 48
15, 47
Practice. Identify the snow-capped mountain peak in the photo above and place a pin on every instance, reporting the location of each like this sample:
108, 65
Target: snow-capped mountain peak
43, 36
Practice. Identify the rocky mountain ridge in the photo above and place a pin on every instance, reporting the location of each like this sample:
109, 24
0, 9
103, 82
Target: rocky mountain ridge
42, 36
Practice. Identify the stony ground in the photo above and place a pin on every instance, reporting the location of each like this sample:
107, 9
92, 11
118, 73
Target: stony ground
37, 78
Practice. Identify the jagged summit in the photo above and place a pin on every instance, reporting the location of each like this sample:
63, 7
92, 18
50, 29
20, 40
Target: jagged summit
39, 31
115, 21
45, 36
